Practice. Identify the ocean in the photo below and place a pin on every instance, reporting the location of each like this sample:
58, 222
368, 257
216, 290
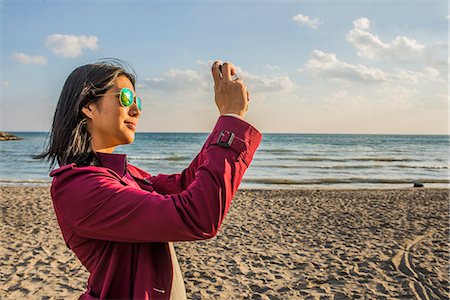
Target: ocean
282, 160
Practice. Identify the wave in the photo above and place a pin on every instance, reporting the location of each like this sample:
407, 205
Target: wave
177, 157
421, 167
25, 182
318, 167
171, 158
343, 167
319, 181
277, 150
386, 159
366, 159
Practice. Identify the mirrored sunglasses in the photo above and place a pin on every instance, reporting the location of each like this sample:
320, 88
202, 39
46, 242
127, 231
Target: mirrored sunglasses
127, 98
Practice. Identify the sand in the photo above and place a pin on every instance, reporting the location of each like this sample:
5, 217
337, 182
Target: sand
273, 244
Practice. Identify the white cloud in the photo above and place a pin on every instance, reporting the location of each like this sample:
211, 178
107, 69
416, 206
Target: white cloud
28, 59
327, 65
308, 21
179, 80
5, 83
260, 84
69, 45
368, 45
362, 23
200, 81
414, 77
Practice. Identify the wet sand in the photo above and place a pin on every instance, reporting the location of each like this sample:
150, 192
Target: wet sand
273, 244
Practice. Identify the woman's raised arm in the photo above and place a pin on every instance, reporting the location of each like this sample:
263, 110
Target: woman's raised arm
93, 203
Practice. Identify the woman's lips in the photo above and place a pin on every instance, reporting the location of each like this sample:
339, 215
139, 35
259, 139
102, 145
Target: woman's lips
131, 125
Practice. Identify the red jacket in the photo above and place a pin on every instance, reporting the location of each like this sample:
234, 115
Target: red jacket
118, 219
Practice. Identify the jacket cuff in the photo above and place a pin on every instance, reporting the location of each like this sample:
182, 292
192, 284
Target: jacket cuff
233, 115
236, 134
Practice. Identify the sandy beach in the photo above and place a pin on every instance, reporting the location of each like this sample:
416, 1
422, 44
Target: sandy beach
273, 244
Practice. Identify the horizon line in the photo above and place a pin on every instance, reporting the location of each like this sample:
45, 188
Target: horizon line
304, 133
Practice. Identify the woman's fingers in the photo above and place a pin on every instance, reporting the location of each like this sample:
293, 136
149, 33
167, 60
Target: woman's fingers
227, 71
223, 71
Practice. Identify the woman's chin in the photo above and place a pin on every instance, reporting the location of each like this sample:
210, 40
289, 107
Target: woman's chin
130, 135
128, 138
131, 139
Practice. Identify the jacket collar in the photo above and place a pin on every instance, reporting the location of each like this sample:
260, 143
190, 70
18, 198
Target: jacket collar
115, 161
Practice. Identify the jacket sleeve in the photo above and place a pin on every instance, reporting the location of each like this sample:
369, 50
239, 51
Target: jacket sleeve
176, 183
94, 203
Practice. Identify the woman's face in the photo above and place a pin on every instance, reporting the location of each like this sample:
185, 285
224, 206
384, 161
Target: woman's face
109, 120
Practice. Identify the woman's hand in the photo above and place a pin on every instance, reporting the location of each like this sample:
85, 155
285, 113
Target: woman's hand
231, 96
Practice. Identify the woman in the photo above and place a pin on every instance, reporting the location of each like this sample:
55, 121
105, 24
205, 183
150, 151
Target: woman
119, 220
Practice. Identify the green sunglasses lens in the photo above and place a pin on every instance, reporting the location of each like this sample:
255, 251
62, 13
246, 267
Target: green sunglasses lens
139, 103
126, 97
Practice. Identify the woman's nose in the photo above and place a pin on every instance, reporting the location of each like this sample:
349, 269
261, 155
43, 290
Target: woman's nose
134, 110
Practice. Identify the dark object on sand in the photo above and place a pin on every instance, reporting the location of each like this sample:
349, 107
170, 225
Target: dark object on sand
4, 136
418, 184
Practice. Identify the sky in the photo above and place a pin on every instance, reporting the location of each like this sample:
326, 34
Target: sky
375, 67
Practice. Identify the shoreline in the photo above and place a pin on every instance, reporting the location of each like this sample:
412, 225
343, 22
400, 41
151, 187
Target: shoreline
283, 188
273, 244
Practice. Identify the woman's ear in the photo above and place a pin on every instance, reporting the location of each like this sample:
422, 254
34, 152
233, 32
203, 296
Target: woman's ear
87, 111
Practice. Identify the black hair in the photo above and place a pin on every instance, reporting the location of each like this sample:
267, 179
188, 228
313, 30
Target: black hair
70, 141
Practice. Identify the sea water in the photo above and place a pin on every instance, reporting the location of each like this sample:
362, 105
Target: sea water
281, 161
